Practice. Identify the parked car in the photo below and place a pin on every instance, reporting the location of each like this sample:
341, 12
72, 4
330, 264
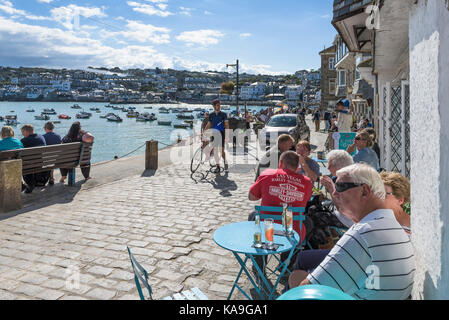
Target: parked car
291, 124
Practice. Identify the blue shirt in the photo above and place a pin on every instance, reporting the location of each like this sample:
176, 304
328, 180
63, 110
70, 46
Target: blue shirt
34, 140
10, 143
218, 120
368, 156
52, 138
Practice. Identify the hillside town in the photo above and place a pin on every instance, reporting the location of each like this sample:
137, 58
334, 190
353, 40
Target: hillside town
155, 86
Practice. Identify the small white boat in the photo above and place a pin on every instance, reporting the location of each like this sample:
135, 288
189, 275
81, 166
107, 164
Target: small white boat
75, 106
114, 118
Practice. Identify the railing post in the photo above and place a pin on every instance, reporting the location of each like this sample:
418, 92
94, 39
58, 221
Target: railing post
151, 155
10, 185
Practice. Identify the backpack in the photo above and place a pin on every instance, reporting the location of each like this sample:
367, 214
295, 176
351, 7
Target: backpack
320, 218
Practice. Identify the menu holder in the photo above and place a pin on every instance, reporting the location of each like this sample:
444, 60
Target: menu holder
264, 246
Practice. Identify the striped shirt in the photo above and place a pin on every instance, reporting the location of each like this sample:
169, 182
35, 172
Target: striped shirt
373, 260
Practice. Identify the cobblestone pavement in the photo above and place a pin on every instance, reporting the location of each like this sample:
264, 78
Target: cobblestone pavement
167, 219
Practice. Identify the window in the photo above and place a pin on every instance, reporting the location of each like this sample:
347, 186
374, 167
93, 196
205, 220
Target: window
331, 86
342, 77
332, 63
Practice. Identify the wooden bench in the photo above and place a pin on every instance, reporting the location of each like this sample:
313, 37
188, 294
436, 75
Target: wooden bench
16, 163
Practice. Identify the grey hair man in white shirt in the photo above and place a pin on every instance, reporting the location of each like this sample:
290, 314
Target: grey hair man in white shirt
374, 259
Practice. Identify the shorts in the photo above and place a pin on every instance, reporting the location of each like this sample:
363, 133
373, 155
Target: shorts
220, 141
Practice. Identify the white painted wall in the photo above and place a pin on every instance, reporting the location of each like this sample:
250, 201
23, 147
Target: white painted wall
429, 89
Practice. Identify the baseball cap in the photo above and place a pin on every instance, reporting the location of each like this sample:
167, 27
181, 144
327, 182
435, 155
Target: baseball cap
215, 102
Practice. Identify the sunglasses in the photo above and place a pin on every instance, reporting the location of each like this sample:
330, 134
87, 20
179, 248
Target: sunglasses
343, 186
358, 139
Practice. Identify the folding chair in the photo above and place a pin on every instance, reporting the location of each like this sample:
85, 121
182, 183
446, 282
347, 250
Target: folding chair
141, 276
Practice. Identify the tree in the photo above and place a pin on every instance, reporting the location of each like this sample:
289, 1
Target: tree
227, 87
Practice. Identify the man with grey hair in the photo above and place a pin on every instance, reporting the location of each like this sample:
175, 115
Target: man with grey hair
374, 259
337, 159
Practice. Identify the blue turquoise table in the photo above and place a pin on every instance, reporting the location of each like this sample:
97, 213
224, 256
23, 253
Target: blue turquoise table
322, 161
238, 238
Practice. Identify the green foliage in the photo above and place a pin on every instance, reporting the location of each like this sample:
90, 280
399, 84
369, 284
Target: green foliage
227, 87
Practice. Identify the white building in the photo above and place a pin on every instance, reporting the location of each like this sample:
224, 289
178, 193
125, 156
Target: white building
255, 91
61, 85
293, 93
409, 42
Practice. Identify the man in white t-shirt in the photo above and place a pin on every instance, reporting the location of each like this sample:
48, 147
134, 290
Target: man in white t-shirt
374, 259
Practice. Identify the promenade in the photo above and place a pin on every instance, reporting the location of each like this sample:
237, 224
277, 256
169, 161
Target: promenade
166, 217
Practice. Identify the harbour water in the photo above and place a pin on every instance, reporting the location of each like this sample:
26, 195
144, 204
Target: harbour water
111, 138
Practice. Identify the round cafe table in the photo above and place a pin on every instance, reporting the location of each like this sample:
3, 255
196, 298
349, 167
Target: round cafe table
239, 237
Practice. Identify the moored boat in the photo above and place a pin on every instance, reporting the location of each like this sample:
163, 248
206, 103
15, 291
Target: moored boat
64, 116
114, 118
83, 115
181, 126
75, 106
49, 111
11, 122
43, 116
164, 123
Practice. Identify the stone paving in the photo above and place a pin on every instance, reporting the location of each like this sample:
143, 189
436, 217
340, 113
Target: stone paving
167, 219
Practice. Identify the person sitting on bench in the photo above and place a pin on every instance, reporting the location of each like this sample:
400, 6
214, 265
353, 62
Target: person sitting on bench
31, 140
75, 134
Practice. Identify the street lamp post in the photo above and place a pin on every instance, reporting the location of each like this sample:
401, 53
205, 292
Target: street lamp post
236, 65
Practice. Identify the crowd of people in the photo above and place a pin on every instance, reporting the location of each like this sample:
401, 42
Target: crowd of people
374, 258
32, 139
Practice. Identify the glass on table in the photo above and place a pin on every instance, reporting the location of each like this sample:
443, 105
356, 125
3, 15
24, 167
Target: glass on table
289, 222
269, 232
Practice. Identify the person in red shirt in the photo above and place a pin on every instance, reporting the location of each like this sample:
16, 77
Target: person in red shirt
283, 185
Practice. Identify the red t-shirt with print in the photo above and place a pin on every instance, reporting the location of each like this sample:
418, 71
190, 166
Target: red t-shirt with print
278, 186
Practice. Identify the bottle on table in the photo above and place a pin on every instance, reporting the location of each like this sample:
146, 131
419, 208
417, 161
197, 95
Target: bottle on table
284, 216
257, 233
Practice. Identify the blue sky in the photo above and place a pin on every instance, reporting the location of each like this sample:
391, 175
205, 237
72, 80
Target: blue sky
267, 36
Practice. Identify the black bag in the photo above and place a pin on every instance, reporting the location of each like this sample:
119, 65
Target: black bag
322, 219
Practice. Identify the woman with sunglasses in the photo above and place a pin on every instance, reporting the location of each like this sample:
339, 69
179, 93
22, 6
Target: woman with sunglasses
363, 143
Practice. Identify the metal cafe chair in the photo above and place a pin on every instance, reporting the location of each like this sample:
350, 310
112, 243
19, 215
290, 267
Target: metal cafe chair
141, 276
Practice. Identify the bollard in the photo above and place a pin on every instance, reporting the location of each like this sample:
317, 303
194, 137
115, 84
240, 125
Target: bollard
10, 185
151, 155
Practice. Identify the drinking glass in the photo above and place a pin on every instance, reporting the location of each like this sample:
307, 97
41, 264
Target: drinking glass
269, 232
289, 222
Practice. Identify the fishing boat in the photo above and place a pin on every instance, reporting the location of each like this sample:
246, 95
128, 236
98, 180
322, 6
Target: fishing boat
11, 122
132, 114
64, 116
49, 111
75, 106
114, 118
184, 116
83, 115
11, 117
107, 115
42, 117
164, 123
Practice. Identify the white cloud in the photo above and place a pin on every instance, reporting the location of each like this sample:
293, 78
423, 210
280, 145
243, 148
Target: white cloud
149, 9
8, 8
31, 45
202, 37
186, 11
245, 35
